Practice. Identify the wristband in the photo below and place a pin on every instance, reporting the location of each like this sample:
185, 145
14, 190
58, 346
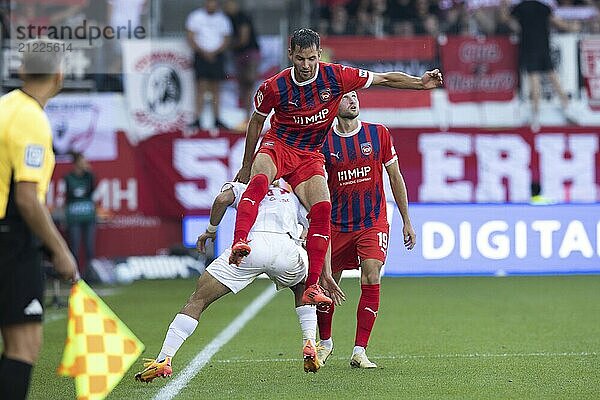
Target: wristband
211, 228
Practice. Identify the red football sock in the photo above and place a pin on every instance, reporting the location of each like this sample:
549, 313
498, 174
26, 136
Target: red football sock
368, 306
317, 240
247, 209
324, 318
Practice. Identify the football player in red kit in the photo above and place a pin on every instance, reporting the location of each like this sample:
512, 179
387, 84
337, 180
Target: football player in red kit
355, 153
305, 99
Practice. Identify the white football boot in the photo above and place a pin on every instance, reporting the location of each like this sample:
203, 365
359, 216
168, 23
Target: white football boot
360, 360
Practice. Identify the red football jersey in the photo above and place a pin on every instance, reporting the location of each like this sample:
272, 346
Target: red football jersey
354, 162
305, 110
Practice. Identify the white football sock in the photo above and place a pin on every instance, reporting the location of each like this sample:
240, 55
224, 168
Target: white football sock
327, 343
180, 329
358, 349
307, 316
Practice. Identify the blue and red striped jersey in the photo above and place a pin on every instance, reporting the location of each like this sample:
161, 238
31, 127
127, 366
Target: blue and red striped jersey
304, 111
354, 162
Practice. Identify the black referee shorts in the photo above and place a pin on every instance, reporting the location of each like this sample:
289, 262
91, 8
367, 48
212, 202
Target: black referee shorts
21, 278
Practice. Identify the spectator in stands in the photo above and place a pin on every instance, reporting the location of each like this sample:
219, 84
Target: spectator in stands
426, 22
246, 52
339, 22
360, 10
456, 20
379, 18
80, 210
402, 16
208, 32
532, 19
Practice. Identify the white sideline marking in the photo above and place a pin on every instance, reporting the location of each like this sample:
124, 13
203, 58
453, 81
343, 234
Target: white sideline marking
426, 356
174, 387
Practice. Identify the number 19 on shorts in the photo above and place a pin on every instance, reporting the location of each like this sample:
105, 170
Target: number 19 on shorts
383, 241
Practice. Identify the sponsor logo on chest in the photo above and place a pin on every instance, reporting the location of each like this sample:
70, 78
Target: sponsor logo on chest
311, 119
354, 175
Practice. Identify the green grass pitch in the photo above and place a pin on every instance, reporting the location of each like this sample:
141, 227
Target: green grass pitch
435, 338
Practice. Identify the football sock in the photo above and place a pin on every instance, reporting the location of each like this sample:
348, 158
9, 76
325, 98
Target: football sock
307, 316
324, 318
317, 240
366, 313
180, 329
14, 379
358, 349
247, 209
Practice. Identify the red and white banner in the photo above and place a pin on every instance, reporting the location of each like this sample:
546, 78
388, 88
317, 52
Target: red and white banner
183, 175
411, 55
124, 228
87, 124
159, 85
478, 70
590, 70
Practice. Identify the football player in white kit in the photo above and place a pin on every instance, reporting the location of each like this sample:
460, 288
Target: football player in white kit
275, 240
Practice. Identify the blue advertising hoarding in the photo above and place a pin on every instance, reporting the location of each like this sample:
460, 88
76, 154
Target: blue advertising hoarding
481, 239
497, 239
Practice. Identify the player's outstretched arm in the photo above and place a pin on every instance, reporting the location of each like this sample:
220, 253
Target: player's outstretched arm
400, 80
401, 198
217, 211
255, 126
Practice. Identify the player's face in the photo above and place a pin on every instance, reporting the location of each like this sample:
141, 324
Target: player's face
305, 61
349, 106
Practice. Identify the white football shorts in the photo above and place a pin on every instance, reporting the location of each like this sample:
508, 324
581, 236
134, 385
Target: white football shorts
275, 254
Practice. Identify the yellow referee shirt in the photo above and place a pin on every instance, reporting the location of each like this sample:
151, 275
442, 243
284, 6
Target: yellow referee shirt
25, 148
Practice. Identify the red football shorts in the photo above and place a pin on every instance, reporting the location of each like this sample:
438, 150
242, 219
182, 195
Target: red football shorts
293, 165
348, 249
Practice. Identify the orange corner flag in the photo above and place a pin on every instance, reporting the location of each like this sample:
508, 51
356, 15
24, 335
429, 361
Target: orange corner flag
99, 349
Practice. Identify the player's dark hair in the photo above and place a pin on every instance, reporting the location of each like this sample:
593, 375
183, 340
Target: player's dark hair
305, 38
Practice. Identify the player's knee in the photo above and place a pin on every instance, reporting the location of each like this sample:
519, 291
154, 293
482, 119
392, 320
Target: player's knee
261, 180
371, 274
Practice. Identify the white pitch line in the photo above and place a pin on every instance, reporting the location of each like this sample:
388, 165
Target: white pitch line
430, 356
171, 390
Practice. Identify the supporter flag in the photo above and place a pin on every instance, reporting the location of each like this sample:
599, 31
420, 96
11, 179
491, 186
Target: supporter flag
99, 347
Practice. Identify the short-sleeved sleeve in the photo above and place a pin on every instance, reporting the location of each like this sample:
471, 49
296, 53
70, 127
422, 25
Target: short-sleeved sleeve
189, 22
354, 78
30, 147
238, 189
388, 152
264, 99
227, 26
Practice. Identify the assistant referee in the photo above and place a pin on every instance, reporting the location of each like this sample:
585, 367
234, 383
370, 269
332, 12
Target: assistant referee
26, 166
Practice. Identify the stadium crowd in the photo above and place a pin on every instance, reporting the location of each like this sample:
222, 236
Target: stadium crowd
381, 18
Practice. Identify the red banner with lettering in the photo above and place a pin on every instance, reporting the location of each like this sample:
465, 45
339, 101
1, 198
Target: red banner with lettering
479, 69
184, 174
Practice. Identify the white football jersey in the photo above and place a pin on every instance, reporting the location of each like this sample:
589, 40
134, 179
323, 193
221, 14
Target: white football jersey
279, 212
